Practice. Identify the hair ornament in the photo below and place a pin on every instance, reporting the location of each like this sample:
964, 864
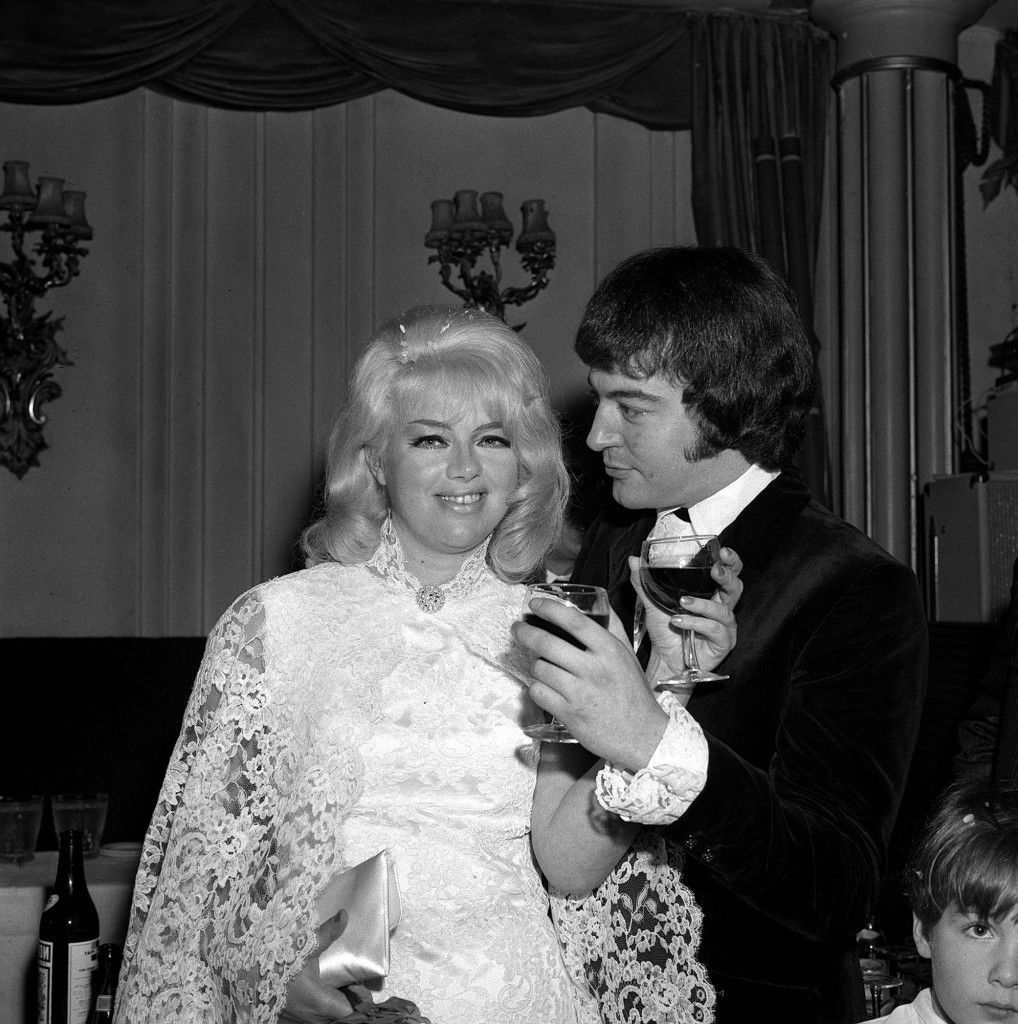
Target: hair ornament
402, 329
403, 354
969, 819
445, 326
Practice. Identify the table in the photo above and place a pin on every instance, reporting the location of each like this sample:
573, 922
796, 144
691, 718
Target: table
23, 892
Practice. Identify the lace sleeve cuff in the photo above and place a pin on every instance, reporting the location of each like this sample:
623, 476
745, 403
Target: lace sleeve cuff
662, 792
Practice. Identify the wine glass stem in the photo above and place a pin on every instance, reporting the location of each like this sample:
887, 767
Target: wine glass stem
689, 651
638, 619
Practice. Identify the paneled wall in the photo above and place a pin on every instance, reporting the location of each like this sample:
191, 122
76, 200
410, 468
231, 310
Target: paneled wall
239, 263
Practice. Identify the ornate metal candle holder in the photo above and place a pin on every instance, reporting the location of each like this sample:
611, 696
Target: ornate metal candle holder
461, 233
28, 345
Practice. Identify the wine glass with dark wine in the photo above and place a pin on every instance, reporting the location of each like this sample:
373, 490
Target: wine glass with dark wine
593, 602
672, 568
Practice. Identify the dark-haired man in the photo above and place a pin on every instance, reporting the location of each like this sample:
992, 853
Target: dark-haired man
703, 379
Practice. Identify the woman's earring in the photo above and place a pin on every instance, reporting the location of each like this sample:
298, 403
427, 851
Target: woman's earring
375, 468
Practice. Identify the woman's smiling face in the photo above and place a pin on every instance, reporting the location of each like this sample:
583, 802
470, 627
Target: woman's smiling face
450, 473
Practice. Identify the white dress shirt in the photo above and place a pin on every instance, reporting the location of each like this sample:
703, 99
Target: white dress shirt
717, 511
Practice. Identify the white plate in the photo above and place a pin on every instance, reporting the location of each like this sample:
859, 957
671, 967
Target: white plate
124, 851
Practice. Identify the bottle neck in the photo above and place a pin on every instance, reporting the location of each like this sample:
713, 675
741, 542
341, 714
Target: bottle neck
109, 964
70, 866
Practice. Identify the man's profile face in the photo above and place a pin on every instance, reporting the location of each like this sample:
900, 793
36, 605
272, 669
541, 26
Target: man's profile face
645, 436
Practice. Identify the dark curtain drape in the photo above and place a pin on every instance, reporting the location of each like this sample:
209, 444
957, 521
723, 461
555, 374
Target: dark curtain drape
499, 57
760, 88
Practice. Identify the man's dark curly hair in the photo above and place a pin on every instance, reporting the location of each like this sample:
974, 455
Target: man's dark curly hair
723, 325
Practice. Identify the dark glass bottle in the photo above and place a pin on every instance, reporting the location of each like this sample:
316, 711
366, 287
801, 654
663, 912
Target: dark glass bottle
106, 986
68, 941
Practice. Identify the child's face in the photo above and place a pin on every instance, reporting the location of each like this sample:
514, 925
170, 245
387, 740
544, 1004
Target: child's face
975, 966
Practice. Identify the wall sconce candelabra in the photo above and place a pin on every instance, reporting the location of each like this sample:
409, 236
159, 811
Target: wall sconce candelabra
461, 233
28, 345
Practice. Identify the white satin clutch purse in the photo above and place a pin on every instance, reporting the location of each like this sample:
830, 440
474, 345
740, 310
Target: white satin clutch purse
369, 893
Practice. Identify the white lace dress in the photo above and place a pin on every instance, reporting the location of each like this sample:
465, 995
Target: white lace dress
333, 717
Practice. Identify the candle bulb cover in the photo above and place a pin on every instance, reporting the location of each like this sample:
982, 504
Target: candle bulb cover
442, 212
535, 225
74, 207
50, 208
494, 216
468, 216
17, 193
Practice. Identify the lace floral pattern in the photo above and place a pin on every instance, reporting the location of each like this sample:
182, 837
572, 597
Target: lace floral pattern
632, 943
331, 717
388, 561
675, 776
239, 844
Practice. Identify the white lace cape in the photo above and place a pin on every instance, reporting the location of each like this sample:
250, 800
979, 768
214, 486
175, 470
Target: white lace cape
243, 835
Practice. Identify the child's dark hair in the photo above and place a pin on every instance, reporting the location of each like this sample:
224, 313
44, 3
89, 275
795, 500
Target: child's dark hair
967, 855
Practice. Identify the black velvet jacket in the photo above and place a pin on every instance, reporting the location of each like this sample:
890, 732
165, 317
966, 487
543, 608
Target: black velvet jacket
809, 745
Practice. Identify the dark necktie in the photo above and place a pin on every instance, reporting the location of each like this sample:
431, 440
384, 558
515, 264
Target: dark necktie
670, 524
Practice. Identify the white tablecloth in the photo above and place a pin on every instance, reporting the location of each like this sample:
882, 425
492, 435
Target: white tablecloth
23, 891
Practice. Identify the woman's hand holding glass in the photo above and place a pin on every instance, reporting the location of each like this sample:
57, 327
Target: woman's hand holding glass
597, 688
591, 601
593, 685
687, 644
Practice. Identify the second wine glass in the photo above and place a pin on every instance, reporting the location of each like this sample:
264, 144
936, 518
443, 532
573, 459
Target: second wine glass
672, 568
593, 602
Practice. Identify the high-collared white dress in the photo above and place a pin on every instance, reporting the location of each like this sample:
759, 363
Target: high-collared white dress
332, 717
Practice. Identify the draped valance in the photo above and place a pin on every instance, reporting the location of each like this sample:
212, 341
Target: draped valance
496, 57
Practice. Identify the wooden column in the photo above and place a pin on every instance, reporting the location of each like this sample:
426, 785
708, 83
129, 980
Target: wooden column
896, 205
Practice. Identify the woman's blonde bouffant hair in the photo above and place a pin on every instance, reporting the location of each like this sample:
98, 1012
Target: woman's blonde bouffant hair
466, 353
